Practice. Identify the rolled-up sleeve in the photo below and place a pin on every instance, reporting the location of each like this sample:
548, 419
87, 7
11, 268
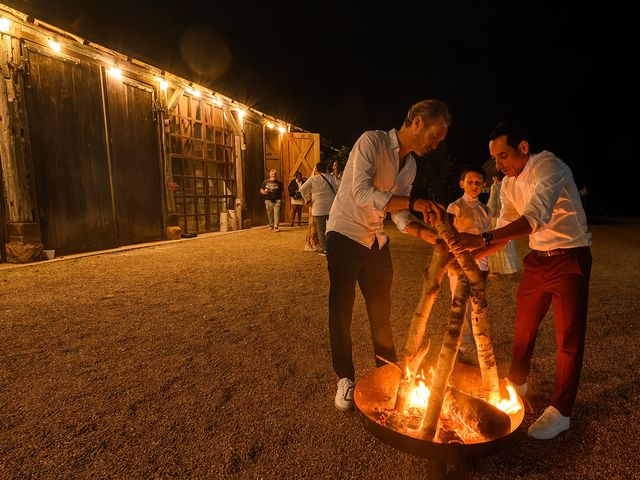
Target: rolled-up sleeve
365, 195
402, 218
552, 178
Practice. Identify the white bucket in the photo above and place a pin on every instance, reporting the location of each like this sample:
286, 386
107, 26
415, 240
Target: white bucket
224, 224
49, 254
233, 220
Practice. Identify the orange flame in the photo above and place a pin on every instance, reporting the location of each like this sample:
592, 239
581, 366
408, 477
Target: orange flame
510, 405
419, 396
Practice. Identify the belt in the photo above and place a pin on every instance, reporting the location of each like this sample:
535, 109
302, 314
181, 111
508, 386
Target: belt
556, 251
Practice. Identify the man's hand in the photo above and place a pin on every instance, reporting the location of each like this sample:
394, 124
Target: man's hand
466, 241
422, 232
428, 235
432, 212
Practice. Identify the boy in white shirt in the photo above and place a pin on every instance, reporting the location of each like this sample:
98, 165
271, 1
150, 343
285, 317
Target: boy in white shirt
470, 215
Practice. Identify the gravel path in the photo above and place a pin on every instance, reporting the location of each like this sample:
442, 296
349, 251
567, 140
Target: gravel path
209, 358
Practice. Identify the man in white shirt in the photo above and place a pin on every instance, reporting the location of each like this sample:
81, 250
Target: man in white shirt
540, 199
321, 189
377, 179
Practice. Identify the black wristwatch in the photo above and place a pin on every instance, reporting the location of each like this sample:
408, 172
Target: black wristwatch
486, 238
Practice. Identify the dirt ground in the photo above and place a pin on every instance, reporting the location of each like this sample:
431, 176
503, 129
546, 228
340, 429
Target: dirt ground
209, 358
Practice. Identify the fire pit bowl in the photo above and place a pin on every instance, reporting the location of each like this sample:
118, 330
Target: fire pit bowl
376, 392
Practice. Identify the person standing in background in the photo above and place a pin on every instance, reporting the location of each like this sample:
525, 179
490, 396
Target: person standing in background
272, 189
297, 201
321, 188
504, 261
336, 170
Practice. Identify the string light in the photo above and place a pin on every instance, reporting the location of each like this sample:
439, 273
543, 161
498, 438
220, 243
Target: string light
163, 83
5, 24
115, 73
194, 92
55, 46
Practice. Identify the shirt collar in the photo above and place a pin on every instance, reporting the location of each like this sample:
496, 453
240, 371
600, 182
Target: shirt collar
395, 146
469, 198
526, 168
393, 140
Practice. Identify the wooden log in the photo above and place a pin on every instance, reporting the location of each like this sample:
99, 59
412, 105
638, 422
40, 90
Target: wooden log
430, 290
479, 319
415, 349
492, 422
447, 357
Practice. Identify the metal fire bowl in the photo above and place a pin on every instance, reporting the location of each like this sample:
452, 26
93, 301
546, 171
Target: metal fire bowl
377, 391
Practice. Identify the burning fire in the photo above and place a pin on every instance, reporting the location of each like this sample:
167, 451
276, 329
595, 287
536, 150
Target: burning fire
419, 397
457, 423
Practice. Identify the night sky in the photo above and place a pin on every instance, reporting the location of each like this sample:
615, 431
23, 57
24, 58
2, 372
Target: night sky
340, 69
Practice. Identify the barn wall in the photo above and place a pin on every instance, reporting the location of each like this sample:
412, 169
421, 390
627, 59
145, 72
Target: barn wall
64, 108
90, 161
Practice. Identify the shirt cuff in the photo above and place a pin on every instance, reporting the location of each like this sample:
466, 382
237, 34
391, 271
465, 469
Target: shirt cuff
532, 221
402, 219
381, 199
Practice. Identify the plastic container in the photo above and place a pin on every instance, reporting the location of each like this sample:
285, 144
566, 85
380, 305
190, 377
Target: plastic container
224, 222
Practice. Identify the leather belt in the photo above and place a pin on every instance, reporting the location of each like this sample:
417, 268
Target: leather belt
556, 251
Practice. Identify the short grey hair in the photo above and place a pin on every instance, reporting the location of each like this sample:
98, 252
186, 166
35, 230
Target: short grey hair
430, 111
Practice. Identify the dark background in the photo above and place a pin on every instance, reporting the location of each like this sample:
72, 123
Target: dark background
339, 69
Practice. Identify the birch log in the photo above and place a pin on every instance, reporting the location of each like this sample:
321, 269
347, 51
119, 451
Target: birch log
415, 348
447, 356
479, 320
430, 289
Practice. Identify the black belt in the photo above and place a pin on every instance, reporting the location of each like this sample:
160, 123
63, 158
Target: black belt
556, 251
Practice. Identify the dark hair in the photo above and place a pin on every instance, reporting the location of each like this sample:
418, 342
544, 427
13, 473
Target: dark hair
473, 168
321, 167
429, 110
515, 133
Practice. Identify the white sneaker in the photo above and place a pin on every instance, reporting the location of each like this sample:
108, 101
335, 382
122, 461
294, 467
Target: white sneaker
550, 424
309, 248
344, 395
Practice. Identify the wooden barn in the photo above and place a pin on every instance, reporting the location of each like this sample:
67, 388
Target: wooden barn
99, 150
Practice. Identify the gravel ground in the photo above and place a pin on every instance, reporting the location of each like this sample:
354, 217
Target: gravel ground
209, 358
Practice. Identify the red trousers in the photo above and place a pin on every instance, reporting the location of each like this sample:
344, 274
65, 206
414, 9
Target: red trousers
563, 281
